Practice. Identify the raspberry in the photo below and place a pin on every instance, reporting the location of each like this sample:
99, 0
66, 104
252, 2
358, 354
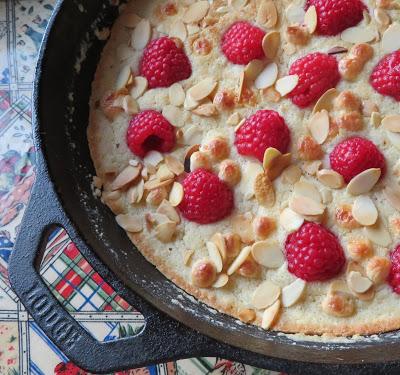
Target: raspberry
164, 63
264, 129
385, 77
68, 369
314, 253
334, 16
317, 73
206, 198
149, 130
242, 42
354, 155
394, 274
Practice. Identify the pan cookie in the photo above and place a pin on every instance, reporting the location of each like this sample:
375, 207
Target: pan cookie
250, 151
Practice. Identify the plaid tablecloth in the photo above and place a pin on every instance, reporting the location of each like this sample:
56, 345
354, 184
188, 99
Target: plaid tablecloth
24, 349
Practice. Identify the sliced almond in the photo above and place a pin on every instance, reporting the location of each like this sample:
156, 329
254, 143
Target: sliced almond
264, 190
326, 195
265, 294
375, 119
337, 50
192, 136
206, 110
310, 19
163, 173
330, 178
154, 218
155, 183
319, 126
364, 211
364, 181
267, 254
291, 174
131, 223
174, 165
267, 77
394, 139
358, 283
271, 43
233, 119
242, 225
307, 189
176, 194
196, 12
178, 30
244, 253
221, 281
219, 241
153, 158
391, 122
190, 103
192, 29
174, 115
127, 175
238, 4
286, 84
290, 220
141, 35
176, 95
123, 77
214, 255
269, 155
381, 17
312, 167
378, 234
392, 194
250, 172
295, 14
358, 34
293, 292
129, 20
326, 101
165, 232
270, 315
277, 165
391, 38
253, 69
139, 86
129, 105
241, 85
202, 89
168, 210
306, 206
267, 14
187, 256
135, 193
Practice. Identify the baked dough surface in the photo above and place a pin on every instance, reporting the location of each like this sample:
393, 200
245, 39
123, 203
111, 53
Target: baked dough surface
111, 155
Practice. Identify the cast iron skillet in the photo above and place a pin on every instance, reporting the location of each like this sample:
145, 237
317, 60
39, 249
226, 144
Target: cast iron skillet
62, 195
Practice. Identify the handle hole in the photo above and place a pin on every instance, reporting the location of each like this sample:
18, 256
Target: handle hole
84, 294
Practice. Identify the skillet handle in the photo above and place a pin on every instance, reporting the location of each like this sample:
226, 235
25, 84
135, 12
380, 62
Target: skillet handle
161, 340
